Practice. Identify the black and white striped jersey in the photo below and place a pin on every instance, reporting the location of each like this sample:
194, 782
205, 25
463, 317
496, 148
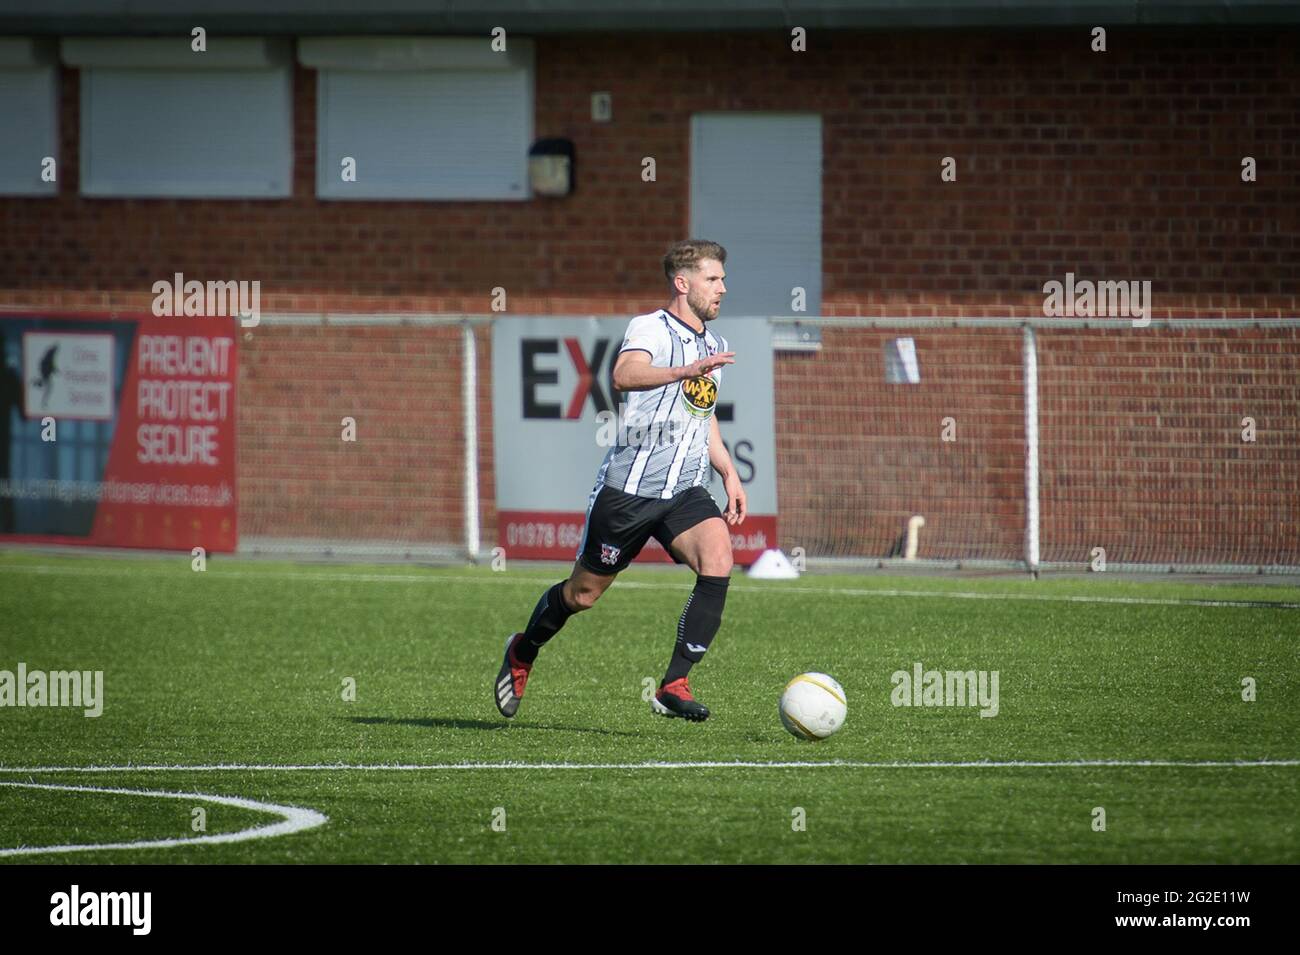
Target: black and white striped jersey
663, 440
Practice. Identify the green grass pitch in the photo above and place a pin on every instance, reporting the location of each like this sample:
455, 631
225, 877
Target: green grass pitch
245, 665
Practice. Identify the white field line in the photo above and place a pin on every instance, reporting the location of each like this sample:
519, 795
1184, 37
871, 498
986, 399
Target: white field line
830, 764
293, 819
341, 577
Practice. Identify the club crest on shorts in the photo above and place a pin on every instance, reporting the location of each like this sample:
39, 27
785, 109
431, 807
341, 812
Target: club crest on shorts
700, 394
608, 555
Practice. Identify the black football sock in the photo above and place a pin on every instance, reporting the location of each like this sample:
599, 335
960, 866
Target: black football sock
698, 624
548, 617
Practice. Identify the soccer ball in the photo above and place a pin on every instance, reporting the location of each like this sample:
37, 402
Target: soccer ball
813, 706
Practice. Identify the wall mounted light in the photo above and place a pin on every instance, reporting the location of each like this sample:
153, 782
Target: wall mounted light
551, 167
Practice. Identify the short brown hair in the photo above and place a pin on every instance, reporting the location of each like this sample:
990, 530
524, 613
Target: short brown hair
687, 255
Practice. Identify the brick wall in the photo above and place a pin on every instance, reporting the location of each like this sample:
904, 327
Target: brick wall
1117, 165
1123, 164
402, 480
1141, 448
1141, 442
857, 457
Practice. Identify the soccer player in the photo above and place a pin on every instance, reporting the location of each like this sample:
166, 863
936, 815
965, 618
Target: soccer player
656, 484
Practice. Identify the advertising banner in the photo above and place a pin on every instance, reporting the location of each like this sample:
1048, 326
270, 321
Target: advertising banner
118, 431
555, 412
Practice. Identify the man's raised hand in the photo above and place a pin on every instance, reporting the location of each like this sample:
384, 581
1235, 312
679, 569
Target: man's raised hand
705, 365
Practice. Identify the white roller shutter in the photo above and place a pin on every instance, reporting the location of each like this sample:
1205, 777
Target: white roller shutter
438, 119
756, 187
160, 120
29, 117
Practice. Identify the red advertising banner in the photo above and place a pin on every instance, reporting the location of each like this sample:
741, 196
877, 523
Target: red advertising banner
127, 431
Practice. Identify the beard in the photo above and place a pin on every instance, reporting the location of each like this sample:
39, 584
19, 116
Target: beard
702, 306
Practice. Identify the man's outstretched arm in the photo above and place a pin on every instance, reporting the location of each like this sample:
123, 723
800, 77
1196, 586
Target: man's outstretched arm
633, 371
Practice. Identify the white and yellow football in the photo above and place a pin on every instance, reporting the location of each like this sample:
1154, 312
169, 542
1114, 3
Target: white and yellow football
813, 706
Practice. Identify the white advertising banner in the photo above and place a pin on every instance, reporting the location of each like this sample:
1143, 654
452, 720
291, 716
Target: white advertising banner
554, 408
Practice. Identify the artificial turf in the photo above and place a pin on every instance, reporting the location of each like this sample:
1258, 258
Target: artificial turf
245, 663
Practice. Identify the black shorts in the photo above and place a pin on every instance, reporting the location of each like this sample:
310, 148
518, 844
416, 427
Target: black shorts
619, 524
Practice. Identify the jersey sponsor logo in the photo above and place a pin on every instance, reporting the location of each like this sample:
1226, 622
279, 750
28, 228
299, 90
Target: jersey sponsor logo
608, 554
700, 394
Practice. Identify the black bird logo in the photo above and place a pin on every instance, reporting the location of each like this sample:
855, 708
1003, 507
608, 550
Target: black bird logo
48, 371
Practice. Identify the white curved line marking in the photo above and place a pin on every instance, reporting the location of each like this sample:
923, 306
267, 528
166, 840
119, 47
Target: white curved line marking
294, 820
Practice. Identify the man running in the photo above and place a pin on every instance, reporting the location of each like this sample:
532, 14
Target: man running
656, 485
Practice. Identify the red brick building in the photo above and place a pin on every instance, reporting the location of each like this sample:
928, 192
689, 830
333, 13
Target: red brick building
1124, 164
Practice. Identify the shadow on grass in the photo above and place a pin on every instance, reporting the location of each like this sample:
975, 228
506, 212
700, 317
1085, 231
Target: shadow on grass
434, 722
